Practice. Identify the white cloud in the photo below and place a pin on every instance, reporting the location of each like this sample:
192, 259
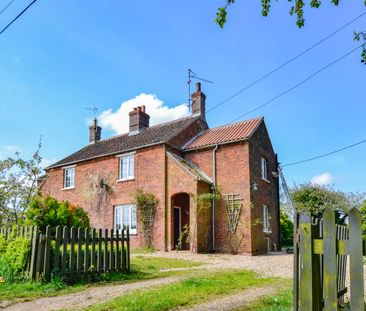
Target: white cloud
323, 179
118, 121
9, 151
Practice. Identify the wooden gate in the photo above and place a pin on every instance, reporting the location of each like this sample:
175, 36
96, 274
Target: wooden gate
321, 251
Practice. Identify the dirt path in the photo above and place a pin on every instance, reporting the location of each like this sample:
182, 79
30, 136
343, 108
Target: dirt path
88, 297
232, 302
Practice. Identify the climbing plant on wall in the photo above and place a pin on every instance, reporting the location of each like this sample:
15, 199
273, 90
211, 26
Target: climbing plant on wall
146, 204
98, 191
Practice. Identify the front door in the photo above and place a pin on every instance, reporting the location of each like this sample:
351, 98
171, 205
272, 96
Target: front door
177, 225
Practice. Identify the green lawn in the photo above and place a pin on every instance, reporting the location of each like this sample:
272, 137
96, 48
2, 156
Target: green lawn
142, 268
200, 288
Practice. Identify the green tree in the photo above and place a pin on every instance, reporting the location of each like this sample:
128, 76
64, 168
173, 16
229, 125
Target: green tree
286, 230
18, 185
363, 212
48, 211
296, 8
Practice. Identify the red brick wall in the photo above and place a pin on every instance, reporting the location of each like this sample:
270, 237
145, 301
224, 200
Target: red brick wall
149, 175
232, 176
267, 193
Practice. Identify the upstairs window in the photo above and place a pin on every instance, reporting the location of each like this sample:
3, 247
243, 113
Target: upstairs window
126, 167
69, 177
266, 218
264, 168
125, 218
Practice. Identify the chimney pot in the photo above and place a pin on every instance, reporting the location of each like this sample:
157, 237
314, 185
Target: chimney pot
198, 86
95, 132
139, 120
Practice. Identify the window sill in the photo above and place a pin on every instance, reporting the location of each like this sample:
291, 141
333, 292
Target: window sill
267, 232
266, 180
70, 188
127, 179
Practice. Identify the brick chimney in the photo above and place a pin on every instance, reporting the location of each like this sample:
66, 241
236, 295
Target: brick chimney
95, 132
199, 102
139, 120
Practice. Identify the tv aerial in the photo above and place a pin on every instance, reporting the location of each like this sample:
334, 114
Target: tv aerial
192, 75
94, 109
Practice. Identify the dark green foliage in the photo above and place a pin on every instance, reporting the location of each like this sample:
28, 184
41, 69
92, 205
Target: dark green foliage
286, 230
48, 211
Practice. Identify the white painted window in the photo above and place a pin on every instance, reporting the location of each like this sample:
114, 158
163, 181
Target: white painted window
69, 177
125, 217
266, 218
126, 167
264, 168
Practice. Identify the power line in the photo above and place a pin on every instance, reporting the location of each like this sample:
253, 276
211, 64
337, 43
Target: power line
19, 15
325, 154
298, 84
285, 63
2, 11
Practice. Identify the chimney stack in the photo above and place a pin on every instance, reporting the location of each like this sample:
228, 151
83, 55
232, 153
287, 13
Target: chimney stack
199, 102
95, 132
139, 120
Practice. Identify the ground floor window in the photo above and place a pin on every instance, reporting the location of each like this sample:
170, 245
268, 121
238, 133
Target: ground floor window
266, 218
125, 217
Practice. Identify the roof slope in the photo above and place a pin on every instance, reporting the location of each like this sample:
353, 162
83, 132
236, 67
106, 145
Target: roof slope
224, 134
191, 168
157, 134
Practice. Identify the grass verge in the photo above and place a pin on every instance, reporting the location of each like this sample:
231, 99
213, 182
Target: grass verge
282, 301
194, 290
142, 268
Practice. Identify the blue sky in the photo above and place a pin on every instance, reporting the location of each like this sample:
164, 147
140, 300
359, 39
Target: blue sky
63, 56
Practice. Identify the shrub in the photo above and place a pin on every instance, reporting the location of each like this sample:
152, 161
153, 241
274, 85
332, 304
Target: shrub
48, 211
14, 257
286, 230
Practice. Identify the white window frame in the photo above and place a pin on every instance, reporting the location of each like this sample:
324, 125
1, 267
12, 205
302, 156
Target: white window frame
264, 168
72, 180
120, 168
118, 213
266, 220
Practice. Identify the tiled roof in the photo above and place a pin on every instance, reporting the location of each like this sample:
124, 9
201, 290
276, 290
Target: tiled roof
161, 133
191, 168
224, 134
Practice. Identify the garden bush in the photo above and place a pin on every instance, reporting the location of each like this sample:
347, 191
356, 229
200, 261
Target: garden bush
48, 211
14, 256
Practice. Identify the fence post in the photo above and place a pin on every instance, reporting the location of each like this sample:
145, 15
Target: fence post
117, 257
56, 258
40, 257
34, 254
330, 262
105, 254
123, 254
111, 257
86, 254
306, 264
128, 250
93, 258
65, 239
79, 254
72, 254
356, 260
99, 263
46, 267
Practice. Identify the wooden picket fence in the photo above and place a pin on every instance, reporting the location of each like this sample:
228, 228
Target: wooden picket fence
321, 251
74, 253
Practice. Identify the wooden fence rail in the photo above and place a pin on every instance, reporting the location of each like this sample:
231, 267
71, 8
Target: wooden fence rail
322, 250
74, 253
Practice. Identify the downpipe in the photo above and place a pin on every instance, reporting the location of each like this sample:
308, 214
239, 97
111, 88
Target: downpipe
213, 197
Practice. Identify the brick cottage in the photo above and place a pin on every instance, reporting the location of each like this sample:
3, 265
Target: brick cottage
176, 161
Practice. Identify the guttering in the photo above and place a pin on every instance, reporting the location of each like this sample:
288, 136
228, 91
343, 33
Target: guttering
214, 194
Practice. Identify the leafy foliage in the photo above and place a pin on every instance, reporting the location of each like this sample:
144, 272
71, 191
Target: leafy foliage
314, 199
286, 229
14, 256
363, 213
18, 185
48, 211
297, 9
146, 204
